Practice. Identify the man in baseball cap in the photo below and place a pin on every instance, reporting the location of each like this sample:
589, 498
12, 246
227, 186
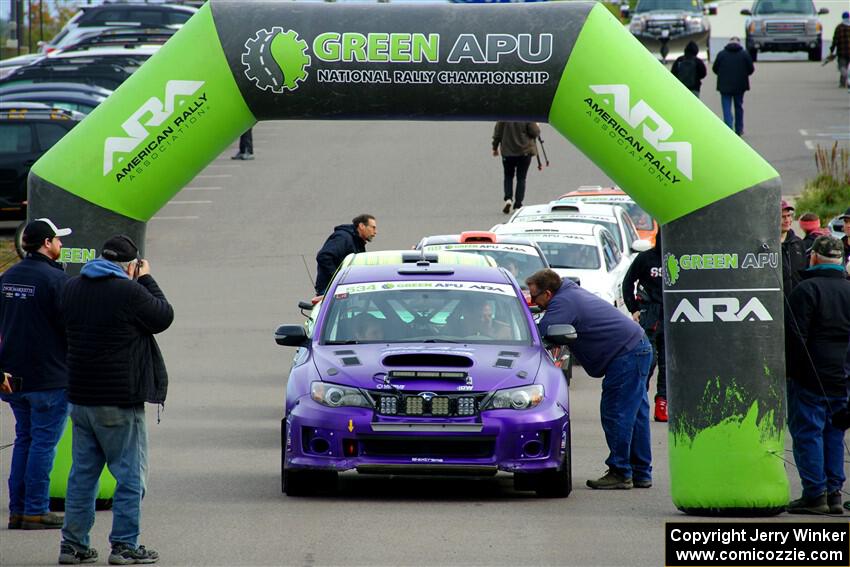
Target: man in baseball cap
39, 230
793, 250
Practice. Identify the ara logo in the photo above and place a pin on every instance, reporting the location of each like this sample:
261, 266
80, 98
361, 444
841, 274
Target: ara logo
157, 112
726, 309
276, 60
657, 137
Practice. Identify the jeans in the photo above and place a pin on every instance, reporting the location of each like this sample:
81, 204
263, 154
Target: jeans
659, 360
726, 102
818, 446
116, 437
518, 165
39, 423
246, 143
842, 71
625, 413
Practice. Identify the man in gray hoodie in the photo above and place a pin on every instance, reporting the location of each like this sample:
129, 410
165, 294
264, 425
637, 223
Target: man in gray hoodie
517, 141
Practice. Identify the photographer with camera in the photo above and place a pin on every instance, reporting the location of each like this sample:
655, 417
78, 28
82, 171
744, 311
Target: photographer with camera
111, 311
32, 347
817, 328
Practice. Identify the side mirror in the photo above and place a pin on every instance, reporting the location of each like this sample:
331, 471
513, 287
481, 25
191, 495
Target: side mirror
305, 305
561, 334
746, 12
291, 335
823, 11
641, 245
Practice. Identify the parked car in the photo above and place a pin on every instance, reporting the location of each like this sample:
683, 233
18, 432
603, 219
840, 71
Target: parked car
27, 131
92, 20
784, 25
424, 368
123, 37
646, 226
585, 253
665, 27
8, 66
69, 100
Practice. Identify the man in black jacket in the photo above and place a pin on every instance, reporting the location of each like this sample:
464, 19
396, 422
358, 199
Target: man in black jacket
644, 297
346, 239
690, 69
816, 349
32, 346
793, 251
111, 311
733, 67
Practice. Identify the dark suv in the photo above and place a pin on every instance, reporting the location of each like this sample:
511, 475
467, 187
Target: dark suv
27, 131
784, 25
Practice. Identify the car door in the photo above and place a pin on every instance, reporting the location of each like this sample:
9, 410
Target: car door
18, 151
630, 233
616, 266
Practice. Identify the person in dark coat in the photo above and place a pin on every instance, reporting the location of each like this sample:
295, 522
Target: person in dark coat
733, 67
246, 146
112, 311
644, 297
32, 346
841, 47
845, 240
517, 143
793, 251
690, 69
816, 349
346, 239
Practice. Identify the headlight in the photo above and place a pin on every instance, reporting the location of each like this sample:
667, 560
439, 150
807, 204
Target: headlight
636, 25
817, 27
525, 397
694, 24
754, 27
333, 395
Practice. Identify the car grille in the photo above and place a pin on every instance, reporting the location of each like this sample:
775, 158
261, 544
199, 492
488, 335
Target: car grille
428, 404
785, 28
432, 447
675, 27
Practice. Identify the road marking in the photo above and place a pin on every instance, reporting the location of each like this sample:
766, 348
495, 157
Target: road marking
720, 290
223, 165
804, 132
810, 144
202, 188
176, 218
212, 176
189, 202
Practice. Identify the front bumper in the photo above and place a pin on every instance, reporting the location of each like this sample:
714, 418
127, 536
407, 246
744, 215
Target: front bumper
675, 44
340, 439
783, 43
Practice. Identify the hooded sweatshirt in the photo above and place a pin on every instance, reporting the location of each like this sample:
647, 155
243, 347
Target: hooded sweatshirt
841, 39
733, 67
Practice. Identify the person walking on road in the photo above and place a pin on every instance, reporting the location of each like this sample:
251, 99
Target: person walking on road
793, 250
841, 47
733, 67
246, 146
644, 298
32, 346
346, 239
816, 350
112, 311
516, 141
615, 347
690, 69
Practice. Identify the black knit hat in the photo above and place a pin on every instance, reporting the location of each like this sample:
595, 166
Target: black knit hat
120, 248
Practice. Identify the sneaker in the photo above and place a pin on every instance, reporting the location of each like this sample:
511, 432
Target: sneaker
125, 554
642, 483
611, 481
833, 500
517, 206
661, 409
805, 505
247, 157
239, 156
48, 521
15, 521
70, 555
507, 208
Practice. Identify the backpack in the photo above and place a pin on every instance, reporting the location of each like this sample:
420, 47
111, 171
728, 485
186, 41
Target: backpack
686, 71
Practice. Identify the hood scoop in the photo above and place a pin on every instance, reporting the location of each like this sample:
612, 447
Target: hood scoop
506, 359
347, 357
415, 360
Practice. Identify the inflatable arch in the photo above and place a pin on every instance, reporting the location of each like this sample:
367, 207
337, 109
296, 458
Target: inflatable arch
572, 65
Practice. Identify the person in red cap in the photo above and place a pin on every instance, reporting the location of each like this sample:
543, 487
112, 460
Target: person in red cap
32, 346
810, 225
793, 250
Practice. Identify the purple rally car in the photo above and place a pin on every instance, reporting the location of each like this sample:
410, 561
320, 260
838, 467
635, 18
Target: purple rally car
425, 368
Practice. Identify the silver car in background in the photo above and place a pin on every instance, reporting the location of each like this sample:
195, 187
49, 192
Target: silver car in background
784, 25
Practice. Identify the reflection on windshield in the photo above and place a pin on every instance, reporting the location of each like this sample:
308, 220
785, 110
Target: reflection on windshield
464, 312
519, 264
612, 227
570, 255
768, 7
671, 5
640, 217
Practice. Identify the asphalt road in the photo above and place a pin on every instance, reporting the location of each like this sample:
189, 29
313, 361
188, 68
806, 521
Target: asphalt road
230, 253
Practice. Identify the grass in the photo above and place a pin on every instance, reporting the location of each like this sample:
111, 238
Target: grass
828, 194
8, 256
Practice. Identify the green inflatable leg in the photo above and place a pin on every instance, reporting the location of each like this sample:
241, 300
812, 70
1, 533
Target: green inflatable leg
61, 470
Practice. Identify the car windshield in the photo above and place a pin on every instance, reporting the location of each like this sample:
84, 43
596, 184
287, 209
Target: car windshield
768, 7
669, 5
521, 261
425, 311
610, 225
570, 255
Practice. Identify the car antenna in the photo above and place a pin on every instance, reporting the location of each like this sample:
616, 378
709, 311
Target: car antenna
307, 269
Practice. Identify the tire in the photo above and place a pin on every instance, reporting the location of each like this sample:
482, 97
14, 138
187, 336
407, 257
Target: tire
308, 482
558, 483
754, 53
816, 54
19, 240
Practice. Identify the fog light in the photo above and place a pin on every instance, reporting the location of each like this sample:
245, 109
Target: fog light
389, 405
440, 406
466, 406
413, 406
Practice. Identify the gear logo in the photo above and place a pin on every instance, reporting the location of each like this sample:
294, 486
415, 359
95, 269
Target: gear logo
671, 269
276, 60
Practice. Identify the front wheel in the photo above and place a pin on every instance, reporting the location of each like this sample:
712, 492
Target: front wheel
816, 54
754, 53
558, 483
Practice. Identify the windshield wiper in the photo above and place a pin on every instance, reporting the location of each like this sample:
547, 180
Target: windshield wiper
348, 342
439, 341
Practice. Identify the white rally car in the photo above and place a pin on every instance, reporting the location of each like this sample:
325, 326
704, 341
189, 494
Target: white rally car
585, 253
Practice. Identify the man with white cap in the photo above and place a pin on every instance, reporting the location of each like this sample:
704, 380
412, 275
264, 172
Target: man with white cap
32, 347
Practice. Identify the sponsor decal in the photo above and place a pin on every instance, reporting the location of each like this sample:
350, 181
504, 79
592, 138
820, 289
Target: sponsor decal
277, 60
725, 309
352, 289
170, 116
77, 255
673, 265
527, 250
642, 132
18, 291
